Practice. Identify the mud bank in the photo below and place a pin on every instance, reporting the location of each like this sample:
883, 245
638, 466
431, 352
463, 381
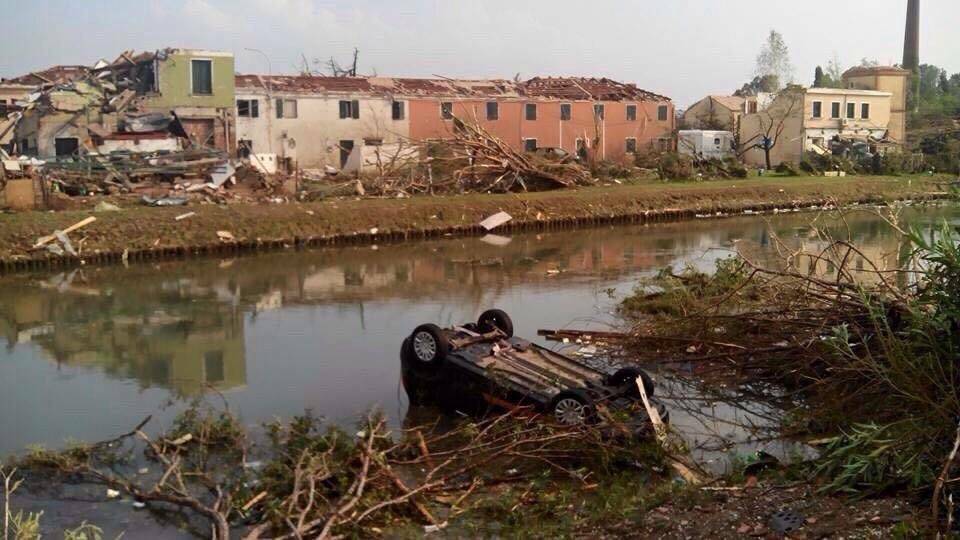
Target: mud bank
137, 233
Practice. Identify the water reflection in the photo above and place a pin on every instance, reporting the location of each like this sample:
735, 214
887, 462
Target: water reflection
87, 352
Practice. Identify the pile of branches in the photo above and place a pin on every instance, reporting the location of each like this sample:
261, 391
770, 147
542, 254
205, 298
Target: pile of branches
473, 160
321, 482
872, 348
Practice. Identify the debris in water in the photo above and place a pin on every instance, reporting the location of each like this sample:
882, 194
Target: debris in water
112, 493
226, 236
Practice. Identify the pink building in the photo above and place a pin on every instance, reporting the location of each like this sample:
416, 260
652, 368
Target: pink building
604, 118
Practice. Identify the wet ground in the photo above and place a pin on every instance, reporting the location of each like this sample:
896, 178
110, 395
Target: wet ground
87, 354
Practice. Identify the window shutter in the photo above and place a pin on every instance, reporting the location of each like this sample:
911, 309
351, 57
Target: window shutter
255, 108
279, 108
355, 106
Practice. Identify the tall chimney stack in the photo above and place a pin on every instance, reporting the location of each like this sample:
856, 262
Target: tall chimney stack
911, 39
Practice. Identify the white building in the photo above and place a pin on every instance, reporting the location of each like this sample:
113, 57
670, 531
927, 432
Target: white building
318, 122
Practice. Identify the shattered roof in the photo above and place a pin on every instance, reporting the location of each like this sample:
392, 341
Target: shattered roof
734, 103
573, 88
51, 75
582, 88
308, 84
304, 84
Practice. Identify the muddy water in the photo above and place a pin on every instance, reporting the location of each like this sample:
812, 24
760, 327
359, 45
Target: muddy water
87, 354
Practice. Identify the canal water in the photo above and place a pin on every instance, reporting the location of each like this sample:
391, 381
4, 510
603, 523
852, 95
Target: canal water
86, 354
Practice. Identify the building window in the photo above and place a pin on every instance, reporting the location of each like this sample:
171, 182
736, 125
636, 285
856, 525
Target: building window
662, 113
349, 109
752, 107
493, 110
817, 109
631, 113
566, 111
446, 110
202, 77
835, 110
865, 111
631, 145
286, 108
248, 108
66, 146
598, 111
716, 142
397, 110
244, 148
530, 113
529, 145
851, 110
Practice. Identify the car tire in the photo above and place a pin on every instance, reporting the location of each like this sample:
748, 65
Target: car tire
572, 408
429, 345
495, 318
629, 374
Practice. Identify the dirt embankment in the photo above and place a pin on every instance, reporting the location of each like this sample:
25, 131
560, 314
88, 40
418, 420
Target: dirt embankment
146, 233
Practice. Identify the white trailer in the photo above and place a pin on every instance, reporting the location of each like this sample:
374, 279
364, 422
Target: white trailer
705, 144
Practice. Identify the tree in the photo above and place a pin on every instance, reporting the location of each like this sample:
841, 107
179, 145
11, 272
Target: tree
944, 83
772, 122
835, 70
774, 59
766, 83
818, 78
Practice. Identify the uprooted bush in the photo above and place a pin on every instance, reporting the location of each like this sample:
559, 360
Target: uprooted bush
319, 481
874, 350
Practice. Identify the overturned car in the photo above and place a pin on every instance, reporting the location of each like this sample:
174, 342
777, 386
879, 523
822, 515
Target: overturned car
483, 364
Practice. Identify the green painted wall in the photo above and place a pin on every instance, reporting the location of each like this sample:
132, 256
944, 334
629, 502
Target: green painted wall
174, 76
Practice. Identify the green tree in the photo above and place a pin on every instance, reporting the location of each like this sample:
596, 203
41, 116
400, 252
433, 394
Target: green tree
766, 83
818, 76
774, 60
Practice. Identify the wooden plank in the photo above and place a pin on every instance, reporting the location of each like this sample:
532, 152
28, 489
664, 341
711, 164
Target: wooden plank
68, 230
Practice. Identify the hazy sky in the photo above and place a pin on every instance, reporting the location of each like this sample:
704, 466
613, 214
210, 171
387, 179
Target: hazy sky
682, 48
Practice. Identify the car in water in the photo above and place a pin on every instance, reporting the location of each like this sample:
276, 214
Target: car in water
484, 364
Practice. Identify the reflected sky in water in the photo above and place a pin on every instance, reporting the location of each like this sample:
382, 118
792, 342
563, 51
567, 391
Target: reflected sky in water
88, 353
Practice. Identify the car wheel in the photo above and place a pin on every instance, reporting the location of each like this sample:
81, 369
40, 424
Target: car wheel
495, 318
628, 375
429, 345
572, 408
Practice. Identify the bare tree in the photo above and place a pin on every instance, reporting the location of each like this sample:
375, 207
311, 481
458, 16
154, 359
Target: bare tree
336, 70
772, 123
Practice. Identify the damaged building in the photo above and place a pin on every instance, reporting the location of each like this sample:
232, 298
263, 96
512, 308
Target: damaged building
350, 123
868, 115
162, 100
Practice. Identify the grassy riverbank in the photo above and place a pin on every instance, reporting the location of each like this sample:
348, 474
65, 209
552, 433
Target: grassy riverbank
147, 232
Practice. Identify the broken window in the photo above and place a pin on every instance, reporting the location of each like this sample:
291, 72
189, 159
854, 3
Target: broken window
66, 146
286, 108
248, 108
244, 148
202, 79
493, 110
631, 145
598, 111
817, 109
446, 110
397, 108
566, 111
851, 110
531, 113
530, 145
349, 109
835, 110
865, 111
663, 113
631, 113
